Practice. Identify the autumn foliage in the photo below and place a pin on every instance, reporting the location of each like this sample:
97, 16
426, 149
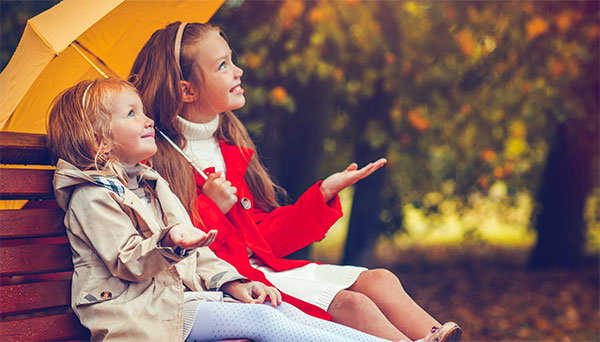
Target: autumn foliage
486, 82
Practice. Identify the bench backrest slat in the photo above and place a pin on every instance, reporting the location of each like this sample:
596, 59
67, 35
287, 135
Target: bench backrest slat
32, 223
21, 298
23, 148
26, 184
35, 258
58, 327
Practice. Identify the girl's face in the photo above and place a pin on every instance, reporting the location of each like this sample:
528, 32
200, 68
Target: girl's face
220, 86
132, 130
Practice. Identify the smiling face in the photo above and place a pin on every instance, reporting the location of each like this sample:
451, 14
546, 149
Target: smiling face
217, 85
132, 130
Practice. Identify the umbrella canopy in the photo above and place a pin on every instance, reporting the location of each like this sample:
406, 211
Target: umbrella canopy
77, 40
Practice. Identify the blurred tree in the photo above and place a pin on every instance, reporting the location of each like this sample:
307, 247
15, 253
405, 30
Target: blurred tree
569, 173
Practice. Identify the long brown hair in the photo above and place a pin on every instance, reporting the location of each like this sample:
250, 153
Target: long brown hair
157, 76
79, 129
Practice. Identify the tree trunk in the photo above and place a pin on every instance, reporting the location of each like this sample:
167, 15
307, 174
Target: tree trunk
365, 224
365, 227
565, 185
296, 146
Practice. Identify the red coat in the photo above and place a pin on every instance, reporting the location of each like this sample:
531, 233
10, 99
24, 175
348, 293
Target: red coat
270, 235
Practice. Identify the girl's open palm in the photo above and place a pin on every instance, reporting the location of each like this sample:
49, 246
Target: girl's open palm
188, 237
340, 180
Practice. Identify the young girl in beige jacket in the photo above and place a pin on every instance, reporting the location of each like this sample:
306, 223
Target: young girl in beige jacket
142, 272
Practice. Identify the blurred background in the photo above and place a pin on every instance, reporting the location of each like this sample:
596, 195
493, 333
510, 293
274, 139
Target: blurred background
488, 113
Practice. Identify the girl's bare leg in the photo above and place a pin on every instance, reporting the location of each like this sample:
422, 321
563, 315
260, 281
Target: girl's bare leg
386, 292
356, 310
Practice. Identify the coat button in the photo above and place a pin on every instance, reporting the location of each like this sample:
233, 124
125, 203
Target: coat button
246, 204
106, 295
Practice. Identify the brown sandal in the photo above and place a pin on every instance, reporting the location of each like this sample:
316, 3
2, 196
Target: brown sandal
448, 332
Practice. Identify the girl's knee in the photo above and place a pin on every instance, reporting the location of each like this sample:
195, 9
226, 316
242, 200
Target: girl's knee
379, 277
349, 301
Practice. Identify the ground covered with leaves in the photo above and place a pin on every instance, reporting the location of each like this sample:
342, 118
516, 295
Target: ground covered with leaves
493, 296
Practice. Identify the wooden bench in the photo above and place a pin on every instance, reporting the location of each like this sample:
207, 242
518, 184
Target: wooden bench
35, 256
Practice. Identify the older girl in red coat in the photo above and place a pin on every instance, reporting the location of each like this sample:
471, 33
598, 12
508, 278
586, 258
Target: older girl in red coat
189, 86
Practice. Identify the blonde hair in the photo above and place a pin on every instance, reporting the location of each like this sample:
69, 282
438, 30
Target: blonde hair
78, 126
157, 76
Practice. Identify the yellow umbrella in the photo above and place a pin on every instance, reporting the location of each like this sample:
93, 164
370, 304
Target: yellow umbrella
77, 40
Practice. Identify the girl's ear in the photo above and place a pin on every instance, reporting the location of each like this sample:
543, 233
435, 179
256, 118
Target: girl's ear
187, 90
100, 142
98, 138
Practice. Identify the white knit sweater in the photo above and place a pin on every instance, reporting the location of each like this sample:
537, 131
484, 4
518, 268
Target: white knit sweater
202, 145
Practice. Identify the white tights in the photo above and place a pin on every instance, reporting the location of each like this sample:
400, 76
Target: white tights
263, 323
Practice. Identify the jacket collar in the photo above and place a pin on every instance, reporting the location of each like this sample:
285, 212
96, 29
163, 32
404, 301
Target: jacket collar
67, 177
237, 159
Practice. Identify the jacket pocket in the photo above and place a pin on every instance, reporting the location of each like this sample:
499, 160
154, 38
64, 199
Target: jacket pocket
98, 290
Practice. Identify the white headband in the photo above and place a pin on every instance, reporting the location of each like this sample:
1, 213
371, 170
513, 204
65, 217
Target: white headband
85, 94
177, 50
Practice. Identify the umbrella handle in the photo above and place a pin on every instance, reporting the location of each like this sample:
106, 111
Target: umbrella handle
182, 153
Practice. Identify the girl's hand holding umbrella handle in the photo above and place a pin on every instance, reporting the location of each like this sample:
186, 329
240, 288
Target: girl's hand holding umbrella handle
341, 180
220, 191
215, 187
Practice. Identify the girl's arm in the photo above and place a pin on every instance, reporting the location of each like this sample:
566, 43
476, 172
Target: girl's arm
286, 229
110, 233
290, 228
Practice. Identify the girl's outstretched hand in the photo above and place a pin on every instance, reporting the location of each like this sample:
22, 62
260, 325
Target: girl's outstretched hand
340, 180
220, 191
188, 237
252, 292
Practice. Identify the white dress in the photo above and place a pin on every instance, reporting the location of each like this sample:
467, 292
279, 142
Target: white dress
316, 284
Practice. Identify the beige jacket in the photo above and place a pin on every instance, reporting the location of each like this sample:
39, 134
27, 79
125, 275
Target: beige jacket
125, 286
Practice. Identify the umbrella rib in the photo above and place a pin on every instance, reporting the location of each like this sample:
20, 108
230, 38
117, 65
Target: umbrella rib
89, 60
98, 59
30, 23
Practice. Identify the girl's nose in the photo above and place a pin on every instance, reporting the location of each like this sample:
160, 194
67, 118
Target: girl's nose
238, 71
149, 122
